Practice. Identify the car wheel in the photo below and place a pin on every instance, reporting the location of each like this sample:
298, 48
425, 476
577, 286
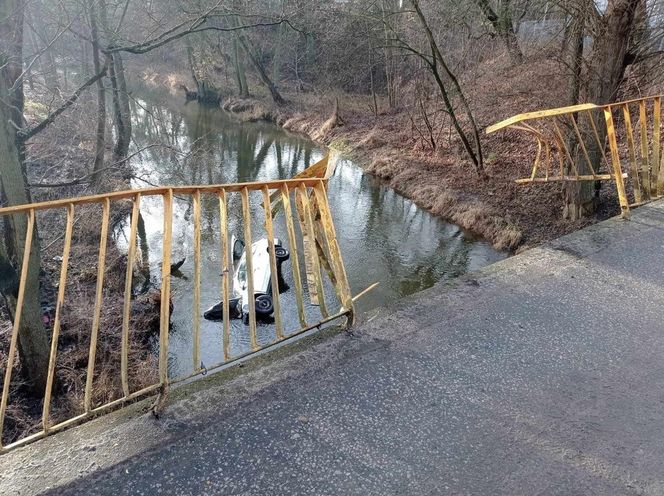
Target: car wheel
281, 253
264, 305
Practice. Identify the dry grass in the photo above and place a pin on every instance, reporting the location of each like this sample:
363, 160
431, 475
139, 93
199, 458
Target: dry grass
63, 152
510, 216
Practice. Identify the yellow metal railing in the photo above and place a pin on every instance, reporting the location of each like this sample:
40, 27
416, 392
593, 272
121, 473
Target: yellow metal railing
316, 233
591, 142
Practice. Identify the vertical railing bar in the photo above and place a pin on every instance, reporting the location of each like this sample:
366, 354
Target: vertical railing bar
58, 316
226, 274
600, 144
615, 158
658, 174
335, 251
295, 261
582, 144
561, 143
25, 265
309, 224
274, 280
165, 290
645, 160
126, 309
634, 168
99, 294
246, 213
196, 323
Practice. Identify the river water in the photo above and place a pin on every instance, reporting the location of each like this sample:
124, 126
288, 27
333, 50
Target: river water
383, 237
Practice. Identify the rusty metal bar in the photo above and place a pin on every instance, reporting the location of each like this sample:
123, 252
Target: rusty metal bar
615, 158
274, 279
20, 298
657, 173
165, 289
226, 272
333, 245
58, 316
126, 311
582, 144
645, 159
196, 322
99, 294
295, 260
634, 168
246, 214
309, 226
600, 143
158, 191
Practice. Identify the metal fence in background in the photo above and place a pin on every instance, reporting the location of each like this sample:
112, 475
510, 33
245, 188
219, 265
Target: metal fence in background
614, 142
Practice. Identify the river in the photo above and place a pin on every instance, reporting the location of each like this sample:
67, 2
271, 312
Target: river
383, 236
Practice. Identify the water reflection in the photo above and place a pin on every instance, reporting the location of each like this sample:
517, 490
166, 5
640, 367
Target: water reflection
383, 236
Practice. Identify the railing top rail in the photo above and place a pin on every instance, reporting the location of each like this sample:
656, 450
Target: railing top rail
558, 111
158, 191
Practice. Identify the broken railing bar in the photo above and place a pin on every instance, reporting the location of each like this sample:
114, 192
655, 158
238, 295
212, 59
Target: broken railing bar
126, 309
333, 246
311, 234
50, 378
274, 280
246, 214
634, 168
101, 266
584, 177
25, 264
272, 344
657, 171
645, 159
157, 191
225, 274
615, 159
295, 260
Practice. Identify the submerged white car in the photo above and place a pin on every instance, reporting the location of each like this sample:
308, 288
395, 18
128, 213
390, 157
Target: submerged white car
263, 290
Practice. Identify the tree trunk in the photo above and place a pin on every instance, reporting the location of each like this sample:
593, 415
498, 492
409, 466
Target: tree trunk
503, 25
241, 78
100, 134
262, 73
474, 152
612, 33
33, 343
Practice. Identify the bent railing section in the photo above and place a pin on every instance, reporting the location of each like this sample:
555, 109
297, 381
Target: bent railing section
308, 225
614, 142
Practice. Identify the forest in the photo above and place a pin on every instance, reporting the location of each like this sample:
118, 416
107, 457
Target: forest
405, 87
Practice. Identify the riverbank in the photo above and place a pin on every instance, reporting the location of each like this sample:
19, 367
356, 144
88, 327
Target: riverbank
390, 145
58, 164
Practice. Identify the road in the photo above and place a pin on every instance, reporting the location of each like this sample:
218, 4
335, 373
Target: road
542, 374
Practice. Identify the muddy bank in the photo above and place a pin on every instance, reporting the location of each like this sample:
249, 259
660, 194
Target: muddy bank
389, 145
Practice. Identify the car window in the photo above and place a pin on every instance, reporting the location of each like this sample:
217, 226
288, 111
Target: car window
242, 273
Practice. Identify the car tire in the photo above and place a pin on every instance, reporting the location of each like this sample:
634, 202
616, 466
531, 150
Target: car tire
264, 305
281, 253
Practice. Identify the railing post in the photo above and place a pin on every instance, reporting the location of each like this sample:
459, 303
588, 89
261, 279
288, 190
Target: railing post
17, 319
164, 322
615, 159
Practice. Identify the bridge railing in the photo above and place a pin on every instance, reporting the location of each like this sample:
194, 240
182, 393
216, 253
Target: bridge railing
619, 142
309, 228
